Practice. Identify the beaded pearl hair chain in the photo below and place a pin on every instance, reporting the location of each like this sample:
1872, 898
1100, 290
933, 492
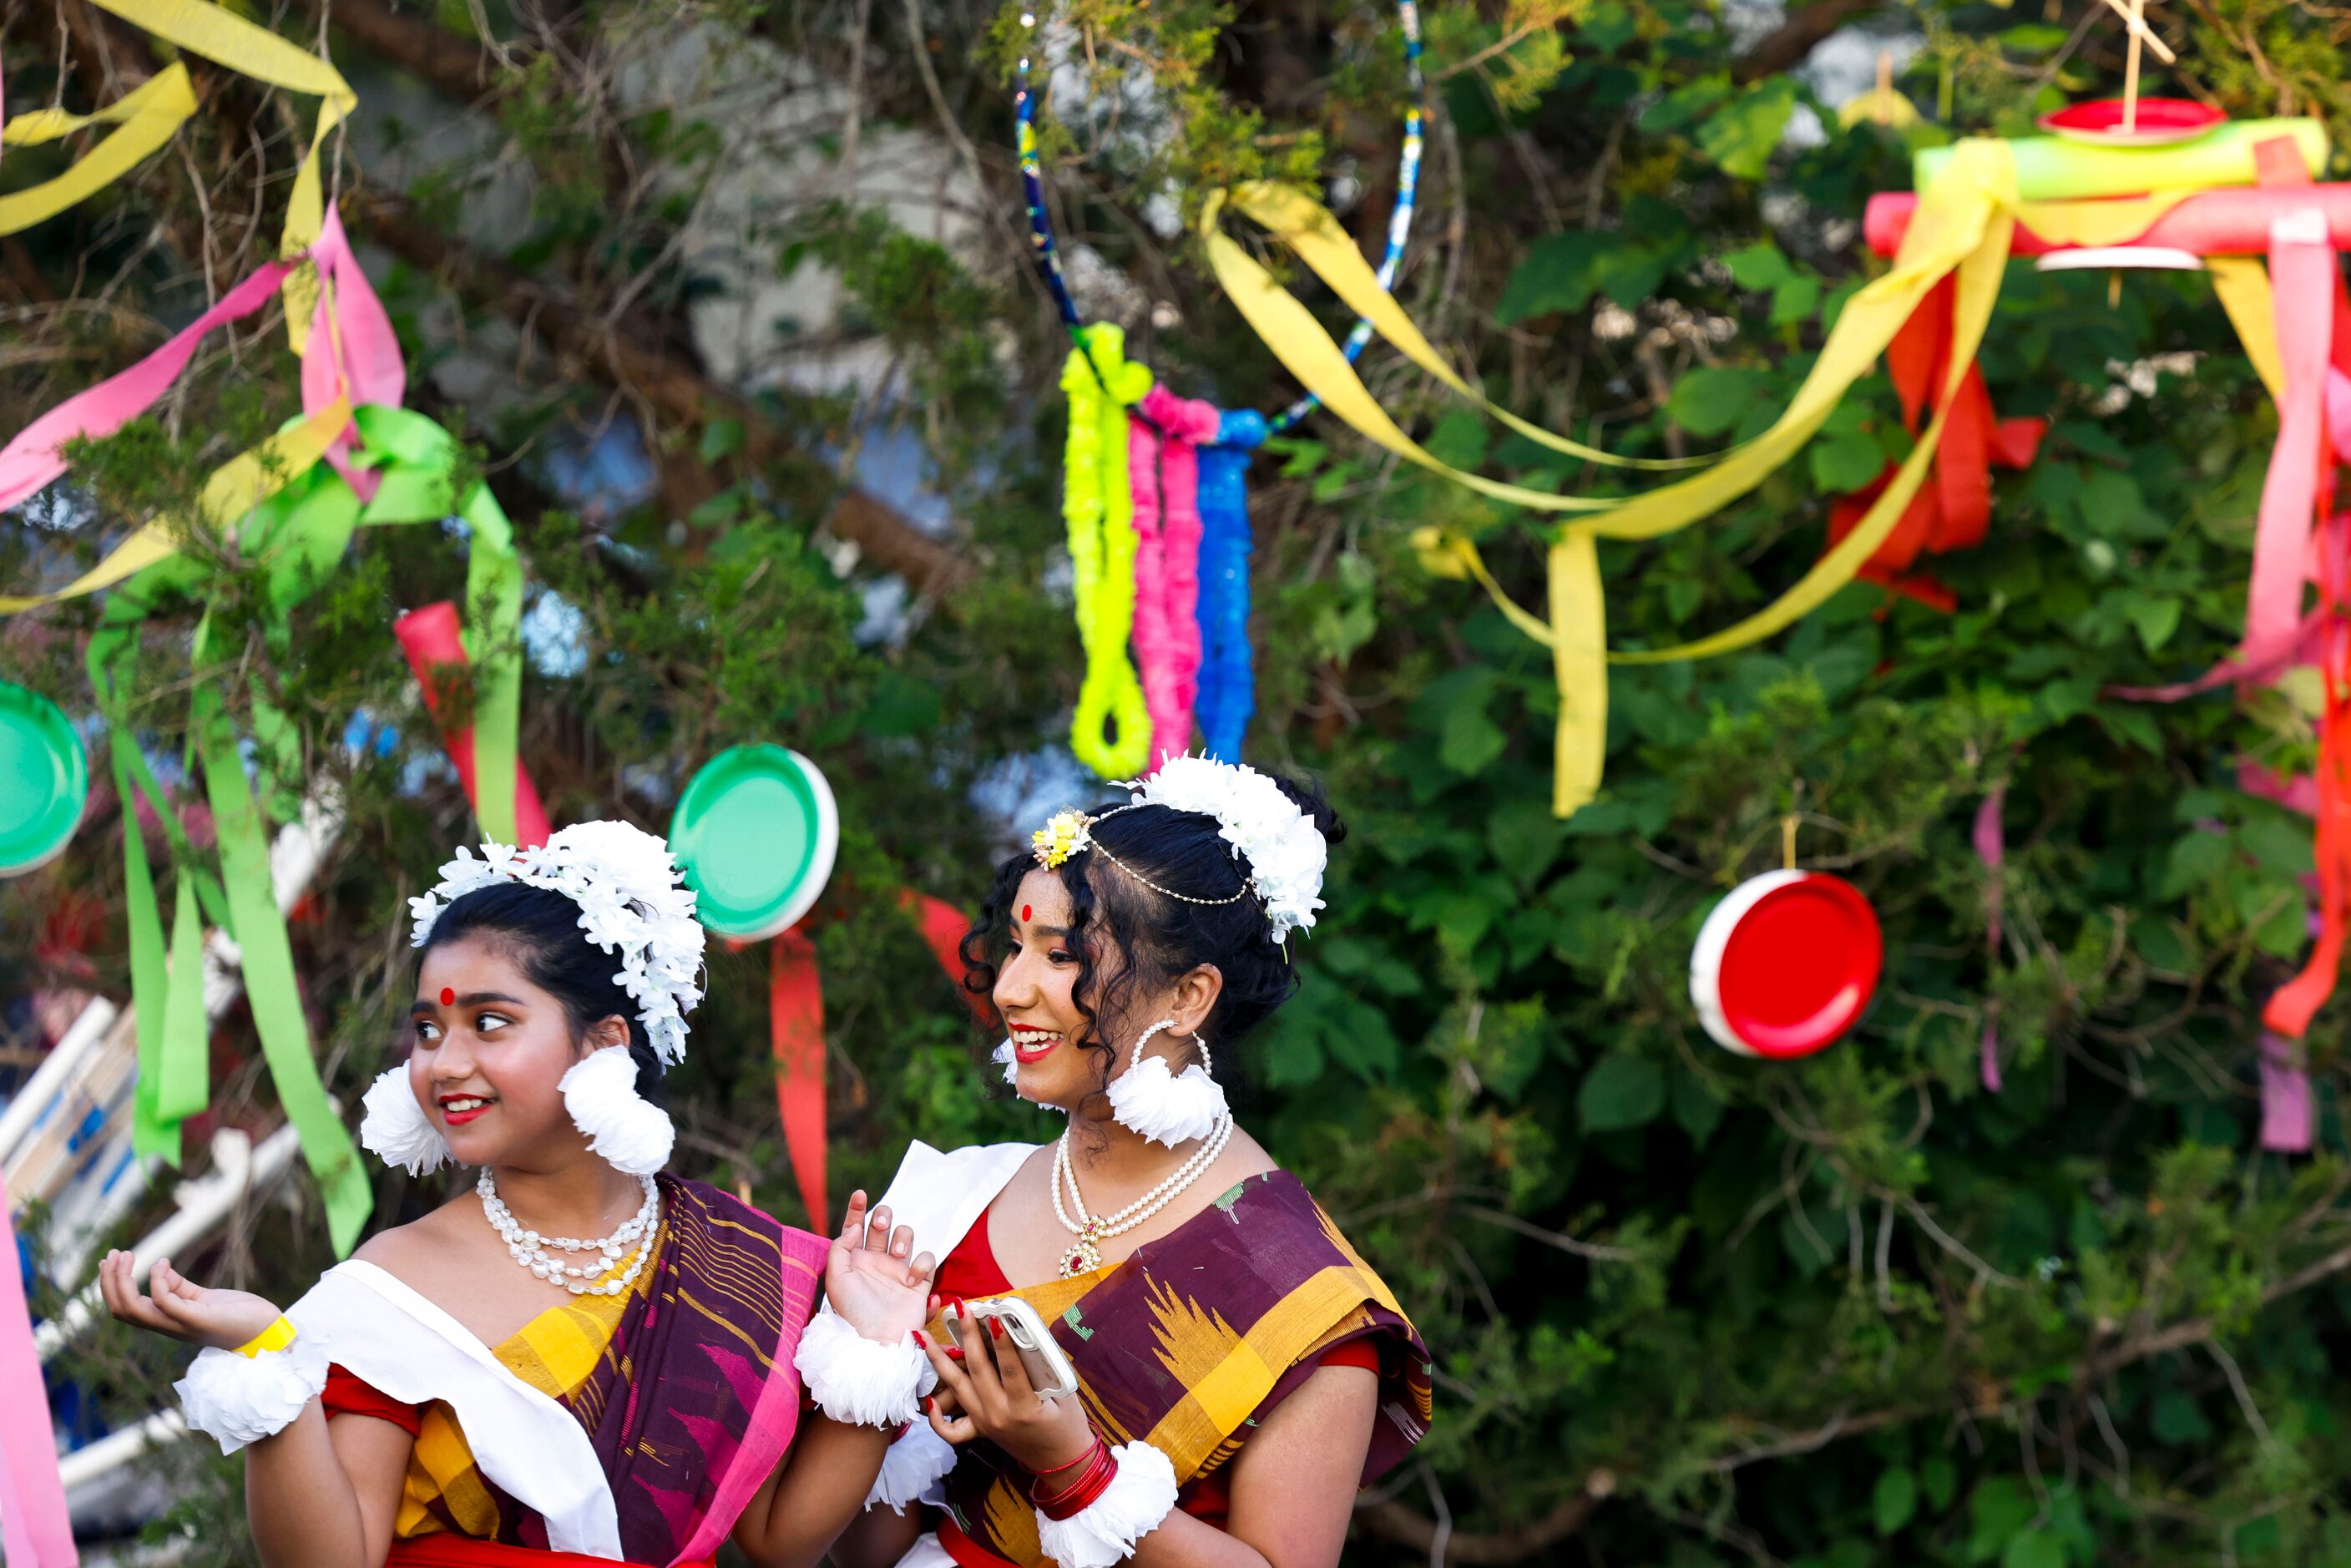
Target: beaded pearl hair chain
1070, 832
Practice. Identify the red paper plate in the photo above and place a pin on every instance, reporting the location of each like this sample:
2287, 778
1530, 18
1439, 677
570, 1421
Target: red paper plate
2161, 122
1786, 964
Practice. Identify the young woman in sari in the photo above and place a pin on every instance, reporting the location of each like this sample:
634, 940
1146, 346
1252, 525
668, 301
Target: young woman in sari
577, 1360
1241, 1371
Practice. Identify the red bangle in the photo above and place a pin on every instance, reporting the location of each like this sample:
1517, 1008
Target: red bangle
1075, 1502
1097, 1459
1073, 1464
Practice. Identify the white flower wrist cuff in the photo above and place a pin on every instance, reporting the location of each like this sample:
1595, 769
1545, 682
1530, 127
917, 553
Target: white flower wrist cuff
1137, 1500
912, 1470
860, 1381
236, 1399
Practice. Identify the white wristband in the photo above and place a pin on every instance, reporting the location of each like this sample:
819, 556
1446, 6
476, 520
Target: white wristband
912, 1470
860, 1381
1137, 1500
238, 1399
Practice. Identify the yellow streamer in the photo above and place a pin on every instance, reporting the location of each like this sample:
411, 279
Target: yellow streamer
144, 120
233, 489
2243, 282
1307, 227
254, 51
1964, 224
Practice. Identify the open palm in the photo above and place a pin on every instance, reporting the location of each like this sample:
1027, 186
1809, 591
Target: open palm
179, 1307
873, 1279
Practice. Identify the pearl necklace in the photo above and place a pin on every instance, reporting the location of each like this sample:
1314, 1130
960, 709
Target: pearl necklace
1093, 1230
533, 1251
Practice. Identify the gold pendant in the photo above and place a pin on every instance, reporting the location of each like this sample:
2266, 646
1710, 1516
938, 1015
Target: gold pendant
1086, 1255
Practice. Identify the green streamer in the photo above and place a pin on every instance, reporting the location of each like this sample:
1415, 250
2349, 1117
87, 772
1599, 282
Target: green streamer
269, 985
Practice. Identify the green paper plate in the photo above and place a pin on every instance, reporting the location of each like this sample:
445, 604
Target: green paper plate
43, 780
756, 832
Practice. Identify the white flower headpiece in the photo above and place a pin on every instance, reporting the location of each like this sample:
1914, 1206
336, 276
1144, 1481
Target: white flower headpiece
630, 903
1281, 853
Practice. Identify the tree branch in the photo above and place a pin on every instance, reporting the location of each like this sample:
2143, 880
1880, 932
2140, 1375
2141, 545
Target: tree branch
1784, 47
444, 61
622, 360
1407, 1527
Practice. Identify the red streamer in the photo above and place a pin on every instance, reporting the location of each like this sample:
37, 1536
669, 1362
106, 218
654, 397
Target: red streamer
796, 1036
429, 637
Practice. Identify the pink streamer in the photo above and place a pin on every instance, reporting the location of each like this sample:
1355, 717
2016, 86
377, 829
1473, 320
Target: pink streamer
1164, 473
1992, 849
774, 1420
2285, 1096
34, 1528
353, 349
32, 458
2299, 794
2302, 275
353, 352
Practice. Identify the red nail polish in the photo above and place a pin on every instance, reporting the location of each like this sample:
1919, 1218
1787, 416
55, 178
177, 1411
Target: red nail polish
929, 1403
919, 1340
996, 1327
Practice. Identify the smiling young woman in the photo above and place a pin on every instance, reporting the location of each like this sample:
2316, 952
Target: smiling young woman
473, 1388
1240, 1372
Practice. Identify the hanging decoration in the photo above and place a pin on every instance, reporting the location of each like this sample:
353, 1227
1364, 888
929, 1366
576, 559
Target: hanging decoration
1154, 500
755, 831
432, 639
43, 780
1786, 963
1960, 227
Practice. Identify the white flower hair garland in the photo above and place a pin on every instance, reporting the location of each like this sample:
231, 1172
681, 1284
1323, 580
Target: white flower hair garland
1281, 852
632, 903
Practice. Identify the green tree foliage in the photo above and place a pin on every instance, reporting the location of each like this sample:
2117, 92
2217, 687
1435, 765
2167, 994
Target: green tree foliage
1687, 1308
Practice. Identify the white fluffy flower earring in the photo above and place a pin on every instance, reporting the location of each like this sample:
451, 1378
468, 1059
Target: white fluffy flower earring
1165, 1107
396, 1130
628, 1130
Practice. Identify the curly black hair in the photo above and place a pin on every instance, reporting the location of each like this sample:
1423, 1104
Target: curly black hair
1152, 940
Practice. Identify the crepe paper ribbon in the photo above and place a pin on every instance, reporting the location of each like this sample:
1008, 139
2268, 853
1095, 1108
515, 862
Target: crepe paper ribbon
1111, 730
2299, 794
2302, 276
167, 997
144, 120
1162, 454
2291, 1007
942, 926
1963, 228
2285, 1096
34, 457
1228, 683
271, 991
430, 639
354, 354
231, 491
1307, 227
1953, 511
34, 1528
1992, 849
796, 1035
2051, 168
418, 461
228, 39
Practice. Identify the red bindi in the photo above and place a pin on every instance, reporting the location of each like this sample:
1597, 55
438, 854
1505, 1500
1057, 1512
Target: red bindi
1024, 912
448, 997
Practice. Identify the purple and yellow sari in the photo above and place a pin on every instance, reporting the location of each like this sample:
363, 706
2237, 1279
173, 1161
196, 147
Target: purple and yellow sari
1194, 1338
684, 1386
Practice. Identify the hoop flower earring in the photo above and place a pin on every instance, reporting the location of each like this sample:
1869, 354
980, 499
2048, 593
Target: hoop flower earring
1005, 1058
1165, 1107
628, 1130
395, 1128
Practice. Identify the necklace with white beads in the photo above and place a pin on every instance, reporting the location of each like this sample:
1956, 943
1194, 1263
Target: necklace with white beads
1093, 1230
535, 1252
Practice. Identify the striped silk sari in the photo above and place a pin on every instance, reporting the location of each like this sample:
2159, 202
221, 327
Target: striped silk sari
1192, 1339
